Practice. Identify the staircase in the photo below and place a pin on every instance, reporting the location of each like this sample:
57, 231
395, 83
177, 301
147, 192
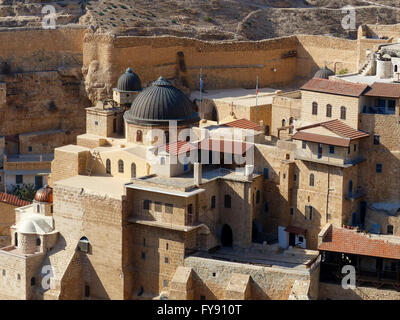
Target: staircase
94, 157
368, 64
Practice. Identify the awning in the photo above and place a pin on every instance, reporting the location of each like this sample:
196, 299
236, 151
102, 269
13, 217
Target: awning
296, 230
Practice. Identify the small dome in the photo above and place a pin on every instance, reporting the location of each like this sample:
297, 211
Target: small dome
324, 73
44, 194
129, 81
34, 224
159, 103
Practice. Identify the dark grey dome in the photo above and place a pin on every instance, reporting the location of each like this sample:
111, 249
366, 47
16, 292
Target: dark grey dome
324, 73
129, 81
159, 103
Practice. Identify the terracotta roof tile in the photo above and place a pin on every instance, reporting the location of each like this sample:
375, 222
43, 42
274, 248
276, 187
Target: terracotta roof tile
319, 138
386, 90
13, 200
243, 124
335, 87
178, 147
352, 242
336, 126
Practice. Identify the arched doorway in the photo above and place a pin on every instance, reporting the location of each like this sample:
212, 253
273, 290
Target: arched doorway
133, 170
214, 114
256, 231
226, 236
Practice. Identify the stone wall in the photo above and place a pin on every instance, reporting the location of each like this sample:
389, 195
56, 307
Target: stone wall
336, 292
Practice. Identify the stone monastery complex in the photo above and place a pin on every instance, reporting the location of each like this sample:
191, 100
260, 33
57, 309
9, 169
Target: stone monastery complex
228, 193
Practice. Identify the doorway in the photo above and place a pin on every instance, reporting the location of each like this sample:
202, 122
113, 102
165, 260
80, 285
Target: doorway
292, 239
226, 236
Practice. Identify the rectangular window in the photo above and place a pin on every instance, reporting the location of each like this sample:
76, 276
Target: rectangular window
96, 123
378, 168
348, 150
266, 173
389, 229
146, 204
266, 207
19, 179
355, 147
377, 139
291, 211
166, 259
331, 149
30, 149
165, 283
309, 212
304, 144
157, 206
143, 255
391, 106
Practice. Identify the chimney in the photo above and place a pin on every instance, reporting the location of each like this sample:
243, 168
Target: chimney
197, 173
248, 171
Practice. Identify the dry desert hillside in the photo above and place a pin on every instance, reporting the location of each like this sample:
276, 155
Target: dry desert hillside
205, 19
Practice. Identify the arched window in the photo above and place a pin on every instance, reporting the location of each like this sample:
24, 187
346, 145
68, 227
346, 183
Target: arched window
343, 113
133, 170
395, 68
38, 242
329, 111
227, 201
311, 180
314, 108
212, 202
120, 166
291, 120
108, 166
139, 136
283, 122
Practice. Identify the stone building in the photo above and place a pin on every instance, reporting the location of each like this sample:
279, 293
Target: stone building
143, 190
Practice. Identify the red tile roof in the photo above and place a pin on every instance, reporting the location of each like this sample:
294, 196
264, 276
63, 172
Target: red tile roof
352, 242
178, 147
13, 200
340, 128
243, 124
319, 138
385, 90
335, 87
233, 147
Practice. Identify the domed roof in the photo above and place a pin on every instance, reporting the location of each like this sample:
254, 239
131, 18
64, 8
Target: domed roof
159, 103
34, 224
129, 81
44, 194
324, 73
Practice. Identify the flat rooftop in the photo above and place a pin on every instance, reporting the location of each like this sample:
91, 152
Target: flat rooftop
186, 181
99, 185
358, 78
295, 259
238, 96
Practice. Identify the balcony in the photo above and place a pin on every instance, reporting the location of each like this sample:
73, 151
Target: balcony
307, 155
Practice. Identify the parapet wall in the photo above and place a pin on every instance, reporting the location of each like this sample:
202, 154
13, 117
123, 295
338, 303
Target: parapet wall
224, 64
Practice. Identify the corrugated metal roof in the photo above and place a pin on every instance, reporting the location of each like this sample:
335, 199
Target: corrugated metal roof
13, 200
384, 90
335, 87
350, 241
129, 81
243, 124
